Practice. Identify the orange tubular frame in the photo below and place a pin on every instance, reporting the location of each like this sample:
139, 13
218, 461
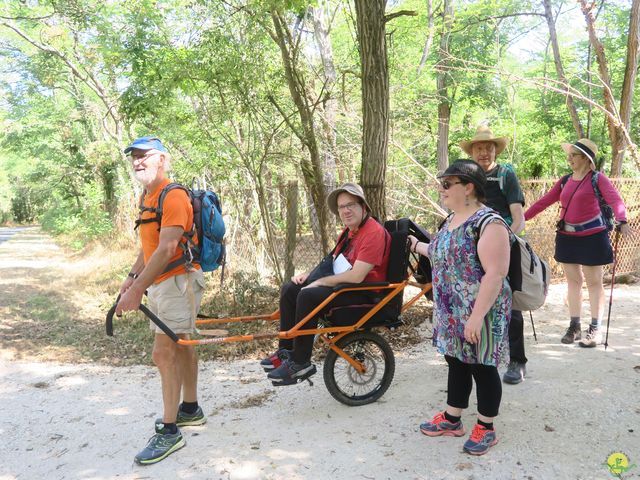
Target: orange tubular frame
336, 332
330, 335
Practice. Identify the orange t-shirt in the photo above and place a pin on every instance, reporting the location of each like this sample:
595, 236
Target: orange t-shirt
176, 212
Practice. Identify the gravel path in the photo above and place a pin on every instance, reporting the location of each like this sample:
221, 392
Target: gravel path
575, 409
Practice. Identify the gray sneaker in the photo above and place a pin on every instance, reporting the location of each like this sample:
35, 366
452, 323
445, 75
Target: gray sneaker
160, 446
593, 337
187, 419
515, 373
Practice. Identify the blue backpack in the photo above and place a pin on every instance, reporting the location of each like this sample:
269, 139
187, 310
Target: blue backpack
208, 225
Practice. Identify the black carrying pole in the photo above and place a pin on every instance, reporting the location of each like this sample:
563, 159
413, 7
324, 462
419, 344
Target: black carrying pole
535, 337
616, 239
109, 321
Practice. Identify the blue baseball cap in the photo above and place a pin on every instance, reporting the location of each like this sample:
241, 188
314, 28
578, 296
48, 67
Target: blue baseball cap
146, 143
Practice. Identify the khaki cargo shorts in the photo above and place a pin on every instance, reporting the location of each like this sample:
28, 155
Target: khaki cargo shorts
176, 303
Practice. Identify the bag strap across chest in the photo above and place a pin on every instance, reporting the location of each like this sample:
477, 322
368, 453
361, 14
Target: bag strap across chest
158, 210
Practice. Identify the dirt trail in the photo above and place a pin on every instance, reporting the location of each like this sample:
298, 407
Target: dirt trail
66, 421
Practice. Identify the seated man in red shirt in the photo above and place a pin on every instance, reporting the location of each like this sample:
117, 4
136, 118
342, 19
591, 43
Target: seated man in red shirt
365, 244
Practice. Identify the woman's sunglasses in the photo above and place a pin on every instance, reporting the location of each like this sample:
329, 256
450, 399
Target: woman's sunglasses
446, 184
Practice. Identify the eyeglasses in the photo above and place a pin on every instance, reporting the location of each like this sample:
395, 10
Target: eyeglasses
446, 184
348, 206
140, 158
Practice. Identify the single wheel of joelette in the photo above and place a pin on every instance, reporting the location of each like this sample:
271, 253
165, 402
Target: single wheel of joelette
354, 388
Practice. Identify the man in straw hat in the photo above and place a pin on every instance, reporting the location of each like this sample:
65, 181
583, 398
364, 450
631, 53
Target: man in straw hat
504, 195
361, 255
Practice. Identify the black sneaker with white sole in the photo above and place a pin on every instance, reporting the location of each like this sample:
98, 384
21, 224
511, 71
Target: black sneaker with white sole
274, 360
185, 419
290, 373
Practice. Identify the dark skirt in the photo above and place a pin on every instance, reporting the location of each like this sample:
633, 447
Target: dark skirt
591, 250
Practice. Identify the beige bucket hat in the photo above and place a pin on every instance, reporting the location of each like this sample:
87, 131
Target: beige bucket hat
484, 134
352, 188
586, 146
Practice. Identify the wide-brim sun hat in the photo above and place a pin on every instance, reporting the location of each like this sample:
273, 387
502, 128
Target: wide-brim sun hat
351, 188
584, 145
484, 134
146, 143
467, 170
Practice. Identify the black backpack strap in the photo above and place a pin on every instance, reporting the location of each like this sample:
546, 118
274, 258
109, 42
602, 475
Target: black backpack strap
444, 221
594, 183
484, 221
343, 236
564, 180
157, 210
189, 250
163, 194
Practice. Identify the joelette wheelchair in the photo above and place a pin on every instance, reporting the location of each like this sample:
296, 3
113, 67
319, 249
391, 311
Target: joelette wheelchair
359, 366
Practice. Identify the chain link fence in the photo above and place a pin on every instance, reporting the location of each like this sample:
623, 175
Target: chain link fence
255, 251
541, 230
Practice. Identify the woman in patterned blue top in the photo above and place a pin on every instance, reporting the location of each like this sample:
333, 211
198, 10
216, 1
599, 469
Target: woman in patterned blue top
472, 304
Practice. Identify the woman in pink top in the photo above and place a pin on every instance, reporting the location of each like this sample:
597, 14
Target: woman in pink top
582, 238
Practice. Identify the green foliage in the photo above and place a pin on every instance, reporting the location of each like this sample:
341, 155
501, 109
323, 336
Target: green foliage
208, 78
82, 226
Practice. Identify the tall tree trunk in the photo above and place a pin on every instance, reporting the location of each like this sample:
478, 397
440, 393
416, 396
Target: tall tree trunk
573, 112
589, 91
311, 166
292, 224
603, 69
371, 26
442, 84
628, 86
427, 44
329, 105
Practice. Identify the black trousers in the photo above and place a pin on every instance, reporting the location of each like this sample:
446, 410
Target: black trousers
460, 383
296, 303
516, 337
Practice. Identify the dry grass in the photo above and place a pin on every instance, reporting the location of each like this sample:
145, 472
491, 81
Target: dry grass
54, 302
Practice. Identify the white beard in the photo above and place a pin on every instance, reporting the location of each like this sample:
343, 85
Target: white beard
147, 176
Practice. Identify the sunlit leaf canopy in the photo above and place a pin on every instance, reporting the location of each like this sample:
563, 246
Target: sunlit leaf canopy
81, 78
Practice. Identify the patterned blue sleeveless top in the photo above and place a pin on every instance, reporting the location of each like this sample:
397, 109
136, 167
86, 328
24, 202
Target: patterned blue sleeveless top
456, 281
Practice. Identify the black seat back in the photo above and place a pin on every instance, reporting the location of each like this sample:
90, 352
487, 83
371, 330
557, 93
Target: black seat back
399, 254
397, 272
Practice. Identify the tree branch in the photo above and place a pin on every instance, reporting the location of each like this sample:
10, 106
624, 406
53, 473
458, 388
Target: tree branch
400, 13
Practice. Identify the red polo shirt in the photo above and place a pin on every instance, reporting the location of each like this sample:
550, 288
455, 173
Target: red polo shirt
370, 244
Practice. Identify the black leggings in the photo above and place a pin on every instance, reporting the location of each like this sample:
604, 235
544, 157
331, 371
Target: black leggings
516, 337
296, 303
460, 383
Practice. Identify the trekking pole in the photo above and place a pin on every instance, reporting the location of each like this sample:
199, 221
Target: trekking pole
616, 239
535, 337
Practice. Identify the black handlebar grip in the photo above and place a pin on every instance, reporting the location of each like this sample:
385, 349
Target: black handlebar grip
109, 322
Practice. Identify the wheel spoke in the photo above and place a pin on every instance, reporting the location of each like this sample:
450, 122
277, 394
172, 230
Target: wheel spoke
344, 381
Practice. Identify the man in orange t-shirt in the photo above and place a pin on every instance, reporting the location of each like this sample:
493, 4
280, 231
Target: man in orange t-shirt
174, 290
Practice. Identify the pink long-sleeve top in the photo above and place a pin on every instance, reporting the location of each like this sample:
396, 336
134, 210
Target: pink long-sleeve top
584, 206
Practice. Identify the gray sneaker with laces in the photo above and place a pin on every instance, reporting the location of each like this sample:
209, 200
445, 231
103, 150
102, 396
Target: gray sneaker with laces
515, 373
593, 336
160, 446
